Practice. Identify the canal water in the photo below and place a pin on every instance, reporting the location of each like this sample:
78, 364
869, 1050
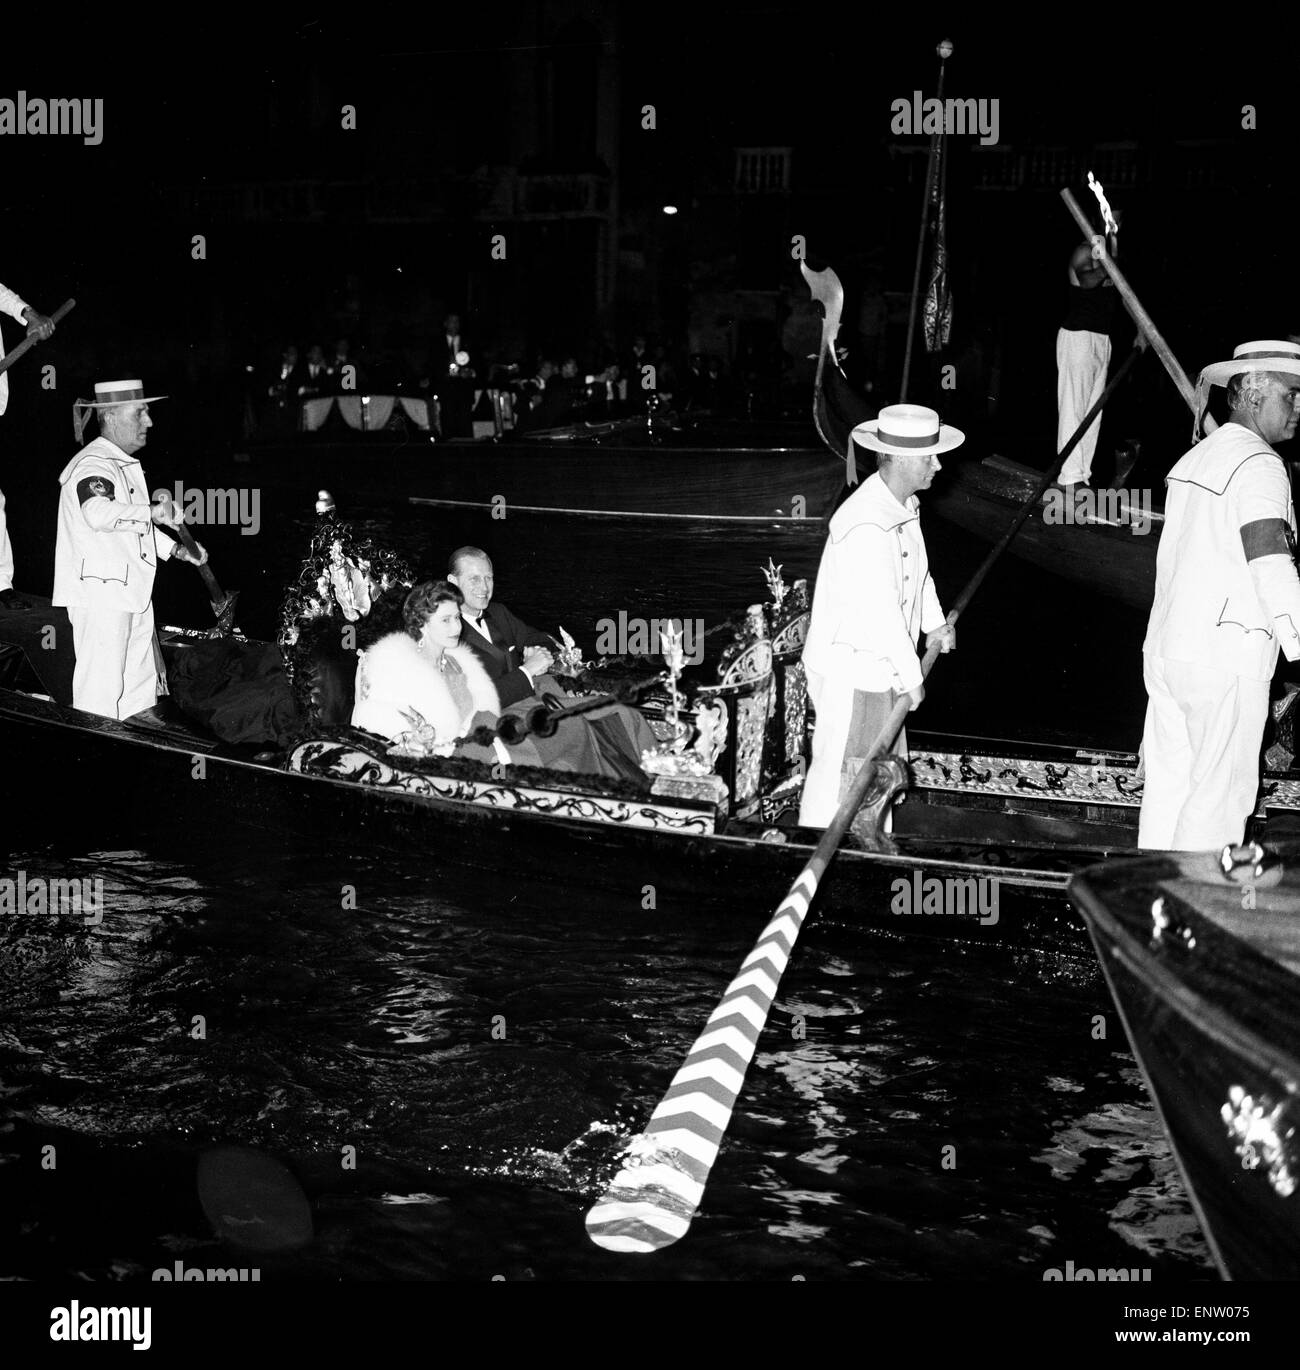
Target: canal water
446, 1062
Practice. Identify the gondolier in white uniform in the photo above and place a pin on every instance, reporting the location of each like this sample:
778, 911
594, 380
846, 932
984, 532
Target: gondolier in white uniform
107, 554
1082, 357
873, 597
1227, 597
41, 327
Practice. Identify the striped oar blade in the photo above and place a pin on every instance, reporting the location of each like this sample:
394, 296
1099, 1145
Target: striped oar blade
656, 1194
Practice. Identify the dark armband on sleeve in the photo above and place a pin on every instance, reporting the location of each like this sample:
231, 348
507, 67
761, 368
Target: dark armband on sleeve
1267, 538
94, 486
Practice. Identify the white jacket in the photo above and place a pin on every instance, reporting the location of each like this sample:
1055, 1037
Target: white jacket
1227, 593
874, 595
10, 304
106, 553
394, 676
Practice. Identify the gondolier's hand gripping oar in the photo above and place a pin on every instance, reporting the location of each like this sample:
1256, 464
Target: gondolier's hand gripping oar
223, 603
10, 357
1134, 306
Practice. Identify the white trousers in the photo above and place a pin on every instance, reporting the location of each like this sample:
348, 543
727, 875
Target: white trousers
116, 672
1081, 362
1201, 745
841, 736
6, 550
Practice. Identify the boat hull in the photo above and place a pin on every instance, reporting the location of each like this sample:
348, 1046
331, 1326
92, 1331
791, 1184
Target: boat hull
1214, 1021
166, 784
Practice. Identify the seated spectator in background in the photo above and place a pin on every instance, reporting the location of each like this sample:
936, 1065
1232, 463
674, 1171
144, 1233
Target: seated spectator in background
546, 371
666, 374
696, 387
615, 388
336, 375
315, 378
637, 356
284, 388
537, 407
453, 381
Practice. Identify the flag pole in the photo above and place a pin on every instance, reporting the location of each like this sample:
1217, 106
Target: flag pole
944, 51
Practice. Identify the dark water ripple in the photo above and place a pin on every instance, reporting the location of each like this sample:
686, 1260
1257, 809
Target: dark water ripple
372, 1028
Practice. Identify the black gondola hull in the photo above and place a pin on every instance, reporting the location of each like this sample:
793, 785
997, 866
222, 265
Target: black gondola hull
1213, 1017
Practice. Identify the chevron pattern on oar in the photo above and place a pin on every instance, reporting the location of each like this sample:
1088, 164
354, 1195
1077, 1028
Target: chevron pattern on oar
656, 1194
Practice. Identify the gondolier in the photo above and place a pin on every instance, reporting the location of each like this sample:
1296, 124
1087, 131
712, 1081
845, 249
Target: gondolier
40, 326
874, 595
106, 556
1227, 597
1082, 356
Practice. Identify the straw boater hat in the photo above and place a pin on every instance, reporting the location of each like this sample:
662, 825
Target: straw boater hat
1267, 355
108, 394
905, 430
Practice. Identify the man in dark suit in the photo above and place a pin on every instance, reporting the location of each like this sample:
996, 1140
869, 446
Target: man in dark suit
513, 653
453, 381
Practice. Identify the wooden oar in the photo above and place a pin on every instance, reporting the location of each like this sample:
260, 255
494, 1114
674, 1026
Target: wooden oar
1134, 306
12, 356
223, 602
654, 1198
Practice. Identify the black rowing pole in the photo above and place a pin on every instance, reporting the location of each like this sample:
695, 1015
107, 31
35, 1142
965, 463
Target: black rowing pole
10, 357
653, 1199
223, 602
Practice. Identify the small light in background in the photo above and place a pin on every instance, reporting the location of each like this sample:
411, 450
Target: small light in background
670, 209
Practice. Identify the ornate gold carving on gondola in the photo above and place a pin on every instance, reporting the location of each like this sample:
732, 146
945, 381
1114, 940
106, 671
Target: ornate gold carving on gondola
750, 725
1260, 1136
889, 776
342, 762
1088, 784
796, 711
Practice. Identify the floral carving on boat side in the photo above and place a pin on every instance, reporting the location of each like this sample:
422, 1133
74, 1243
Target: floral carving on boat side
796, 710
341, 762
1257, 1130
751, 722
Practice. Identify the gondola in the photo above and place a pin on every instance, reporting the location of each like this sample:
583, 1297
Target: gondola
1202, 955
684, 467
1002, 821
1110, 547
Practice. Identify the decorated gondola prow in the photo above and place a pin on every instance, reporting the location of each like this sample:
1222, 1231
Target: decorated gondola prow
829, 293
891, 776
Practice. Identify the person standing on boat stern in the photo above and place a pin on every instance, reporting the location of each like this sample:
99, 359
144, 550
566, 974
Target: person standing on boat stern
1082, 357
40, 326
1227, 597
106, 555
873, 596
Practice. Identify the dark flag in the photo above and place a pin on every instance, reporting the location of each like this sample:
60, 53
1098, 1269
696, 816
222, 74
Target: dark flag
937, 322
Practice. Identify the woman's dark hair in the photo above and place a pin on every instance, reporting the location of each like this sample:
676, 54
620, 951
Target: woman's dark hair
423, 601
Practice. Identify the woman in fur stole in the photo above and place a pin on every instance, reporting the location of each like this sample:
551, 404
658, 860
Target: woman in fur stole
425, 674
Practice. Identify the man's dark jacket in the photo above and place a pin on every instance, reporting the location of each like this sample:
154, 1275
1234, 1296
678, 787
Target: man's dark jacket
502, 656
